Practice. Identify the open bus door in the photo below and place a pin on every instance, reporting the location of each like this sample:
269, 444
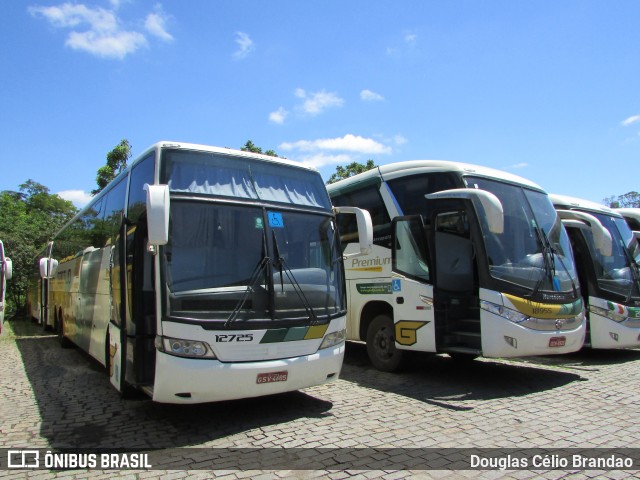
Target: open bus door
6, 272
454, 266
411, 288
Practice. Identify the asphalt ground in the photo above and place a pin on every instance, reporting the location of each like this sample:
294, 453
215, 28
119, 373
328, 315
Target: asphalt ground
424, 422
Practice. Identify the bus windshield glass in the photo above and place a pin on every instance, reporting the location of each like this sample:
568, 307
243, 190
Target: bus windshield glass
243, 264
217, 175
617, 273
534, 250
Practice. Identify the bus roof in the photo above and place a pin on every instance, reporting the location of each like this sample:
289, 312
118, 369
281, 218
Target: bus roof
566, 202
415, 167
219, 151
633, 213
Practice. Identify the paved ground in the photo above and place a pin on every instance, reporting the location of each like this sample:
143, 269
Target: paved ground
56, 398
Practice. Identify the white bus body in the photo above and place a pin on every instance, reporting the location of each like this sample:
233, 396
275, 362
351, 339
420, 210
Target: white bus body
202, 274
607, 256
6, 271
466, 260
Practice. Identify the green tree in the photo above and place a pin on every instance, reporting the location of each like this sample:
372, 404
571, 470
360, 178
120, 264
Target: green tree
116, 162
628, 200
28, 220
350, 170
251, 147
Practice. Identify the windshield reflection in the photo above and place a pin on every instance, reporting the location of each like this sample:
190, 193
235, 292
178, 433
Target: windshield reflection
617, 273
533, 251
239, 263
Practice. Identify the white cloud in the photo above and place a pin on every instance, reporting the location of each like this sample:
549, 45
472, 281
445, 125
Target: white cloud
316, 103
78, 197
400, 139
517, 166
155, 24
321, 159
116, 45
369, 96
245, 46
348, 143
98, 31
410, 38
630, 120
278, 116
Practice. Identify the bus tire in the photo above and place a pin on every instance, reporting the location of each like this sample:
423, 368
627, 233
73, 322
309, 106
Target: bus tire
381, 346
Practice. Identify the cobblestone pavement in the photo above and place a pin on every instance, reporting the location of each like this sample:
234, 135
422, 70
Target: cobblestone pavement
57, 398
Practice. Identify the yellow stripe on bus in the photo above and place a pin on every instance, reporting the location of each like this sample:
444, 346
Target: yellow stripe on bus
545, 310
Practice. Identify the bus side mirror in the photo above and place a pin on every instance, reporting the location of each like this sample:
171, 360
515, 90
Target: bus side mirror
365, 228
493, 211
157, 213
601, 236
8, 268
48, 267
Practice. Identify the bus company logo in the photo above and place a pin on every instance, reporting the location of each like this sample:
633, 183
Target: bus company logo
23, 459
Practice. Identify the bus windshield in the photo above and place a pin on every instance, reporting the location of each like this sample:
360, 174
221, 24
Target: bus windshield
246, 263
534, 249
211, 174
617, 273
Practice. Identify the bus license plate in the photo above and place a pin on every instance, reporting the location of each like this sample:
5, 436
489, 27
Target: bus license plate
272, 377
557, 341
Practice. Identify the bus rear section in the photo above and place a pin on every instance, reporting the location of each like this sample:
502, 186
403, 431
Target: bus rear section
467, 261
203, 274
607, 256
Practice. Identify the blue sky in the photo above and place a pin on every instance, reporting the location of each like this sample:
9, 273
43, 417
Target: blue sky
548, 90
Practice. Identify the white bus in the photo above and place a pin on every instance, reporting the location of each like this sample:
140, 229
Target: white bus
632, 216
6, 270
202, 274
607, 256
466, 260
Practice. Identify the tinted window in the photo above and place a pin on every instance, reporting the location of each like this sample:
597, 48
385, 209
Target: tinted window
141, 174
410, 191
367, 199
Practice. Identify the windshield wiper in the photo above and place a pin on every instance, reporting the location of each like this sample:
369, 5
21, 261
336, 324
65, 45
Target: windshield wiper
549, 255
261, 265
280, 264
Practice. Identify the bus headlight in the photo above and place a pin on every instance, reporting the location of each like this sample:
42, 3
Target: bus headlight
184, 348
333, 339
504, 312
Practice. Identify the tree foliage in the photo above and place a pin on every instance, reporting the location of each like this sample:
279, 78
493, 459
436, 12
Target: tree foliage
28, 220
350, 170
628, 200
116, 162
251, 147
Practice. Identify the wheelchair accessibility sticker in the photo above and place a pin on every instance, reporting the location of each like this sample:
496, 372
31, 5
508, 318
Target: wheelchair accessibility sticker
396, 286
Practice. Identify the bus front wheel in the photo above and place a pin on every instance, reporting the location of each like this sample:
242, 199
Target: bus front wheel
381, 346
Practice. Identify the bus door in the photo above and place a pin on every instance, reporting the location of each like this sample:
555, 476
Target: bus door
457, 313
411, 286
141, 326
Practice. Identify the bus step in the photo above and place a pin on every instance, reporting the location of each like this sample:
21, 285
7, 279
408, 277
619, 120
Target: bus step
466, 350
465, 333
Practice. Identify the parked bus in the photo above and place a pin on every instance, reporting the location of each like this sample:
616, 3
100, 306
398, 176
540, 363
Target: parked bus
202, 274
466, 260
632, 217
6, 271
607, 256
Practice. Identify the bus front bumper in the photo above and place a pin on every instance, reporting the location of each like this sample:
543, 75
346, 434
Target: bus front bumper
607, 333
503, 338
186, 380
